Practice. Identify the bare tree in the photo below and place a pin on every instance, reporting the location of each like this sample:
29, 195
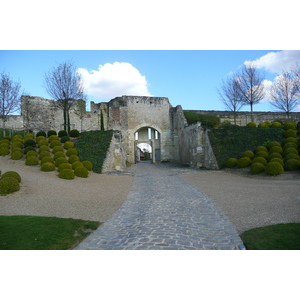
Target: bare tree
230, 95
251, 85
284, 93
64, 85
9, 97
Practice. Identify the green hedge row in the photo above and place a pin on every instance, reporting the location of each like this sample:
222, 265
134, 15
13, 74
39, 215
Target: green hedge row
207, 121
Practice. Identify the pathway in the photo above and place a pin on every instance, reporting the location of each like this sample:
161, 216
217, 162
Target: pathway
164, 211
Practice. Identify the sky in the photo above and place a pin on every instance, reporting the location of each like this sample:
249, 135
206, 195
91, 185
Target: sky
189, 78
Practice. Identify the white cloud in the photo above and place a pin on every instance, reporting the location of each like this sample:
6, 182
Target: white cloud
114, 80
275, 62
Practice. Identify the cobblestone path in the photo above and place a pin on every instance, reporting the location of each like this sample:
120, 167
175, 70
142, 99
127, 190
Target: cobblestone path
164, 211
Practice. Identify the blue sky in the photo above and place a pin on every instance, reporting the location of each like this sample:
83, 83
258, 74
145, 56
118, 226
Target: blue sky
187, 77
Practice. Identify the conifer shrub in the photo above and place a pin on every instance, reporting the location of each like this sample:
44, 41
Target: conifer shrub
51, 132
259, 159
74, 133
58, 155
64, 166
44, 154
290, 150
81, 172
244, 162
48, 167
4, 151
62, 133
277, 160
68, 145
16, 155
60, 160
248, 153
257, 168
73, 158
291, 156
71, 151
275, 155
54, 143
274, 168
12, 174
66, 174
273, 144
251, 124
276, 125
31, 161
87, 164
276, 149
290, 133
262, 154
64, 139
31, 153
29, 142
77, 164
9, 185
41, 133
289, 125
292, 164
47, 159
58, 149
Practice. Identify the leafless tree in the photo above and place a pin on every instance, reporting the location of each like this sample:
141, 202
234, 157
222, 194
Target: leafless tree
9, 97
285, 93
64, 85
251, 85
230, 95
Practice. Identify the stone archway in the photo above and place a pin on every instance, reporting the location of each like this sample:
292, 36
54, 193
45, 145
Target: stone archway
147, 145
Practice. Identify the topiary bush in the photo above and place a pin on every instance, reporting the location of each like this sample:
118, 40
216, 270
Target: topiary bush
68, 145
42, 143
41, 133
244, 162
66, 174
73, 158
9, 185
292, 164
54, 143
29, 142
12, 174
289, 125
48, 167
248, 153
261, 148
276, 149
64, 139
262, 154
53, 137
74, 133
51, 132
275, 155
58, 155
274, 168
251, 124
87, 164
4, 151
60, 160
289, 151
47, 159
259, 159
62, 133
291, 156
71, 151
290, 133
31, 153
29, 136
81, 172
291, 140
290, 145
257, 168
276, 125
58, 149
274, 144
44, 148
16, 155
76, 164
17, 145
31, 161
64, 166
278, 160
263, 125
44, 154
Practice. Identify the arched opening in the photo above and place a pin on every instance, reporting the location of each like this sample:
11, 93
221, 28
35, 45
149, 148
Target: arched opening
147, 145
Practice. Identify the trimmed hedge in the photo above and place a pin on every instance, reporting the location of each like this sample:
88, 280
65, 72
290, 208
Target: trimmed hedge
207, 121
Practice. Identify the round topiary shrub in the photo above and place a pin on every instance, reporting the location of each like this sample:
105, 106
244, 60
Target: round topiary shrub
290, 145
257, 168
29, 142
6, 141
261, 148
31, 161
276, 125
73, 158
44, 154
54, 143
40, 138
263, 125
292, 164
9, 185
290, 150
51, 132
71, 151
4, 151
48, 167
12, 174
44, 148
58, 155
289, 125
274, 168
29, 136
62, 133
60, 160
277, 160
64, 139
290, 133
87, 164
64, 166
16, 155
41, 133
77, 164
58, 149
81, 172
42, 143
53, 138
273, 144
276, 149
17, 136
66, 174
31, 153
262, 154
8, 138
68, 145
259, 159
248, 153
291, 156
251, 124
74, 133
275, 155
16, 149
291, 140
17, 145
47, 159
244, 162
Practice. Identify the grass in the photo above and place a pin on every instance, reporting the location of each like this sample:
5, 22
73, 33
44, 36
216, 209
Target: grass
42, 233
273, 237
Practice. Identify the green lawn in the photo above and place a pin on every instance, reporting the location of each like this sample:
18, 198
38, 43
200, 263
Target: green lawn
42, 233
273, 237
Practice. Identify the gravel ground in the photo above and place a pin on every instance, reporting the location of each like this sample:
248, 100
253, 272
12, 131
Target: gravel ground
94, 198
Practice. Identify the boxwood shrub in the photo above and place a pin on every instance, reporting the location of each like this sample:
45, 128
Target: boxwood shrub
47, 159
16, 155
87, 164
259, 159
31, 161
51, 132
291, 156
31, 153
58, 149
9, 185
275, 155
54, 143
274, 168
66, 174
47, 167
74, 133
73, 158
244, 162
81, 172
68, 145
60, 160
64, 166
257, 168
290, 133
62, 133
292, 164
71, 151
277, 160
77, 164
248, 153
4, 151
41, 133
12, 174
